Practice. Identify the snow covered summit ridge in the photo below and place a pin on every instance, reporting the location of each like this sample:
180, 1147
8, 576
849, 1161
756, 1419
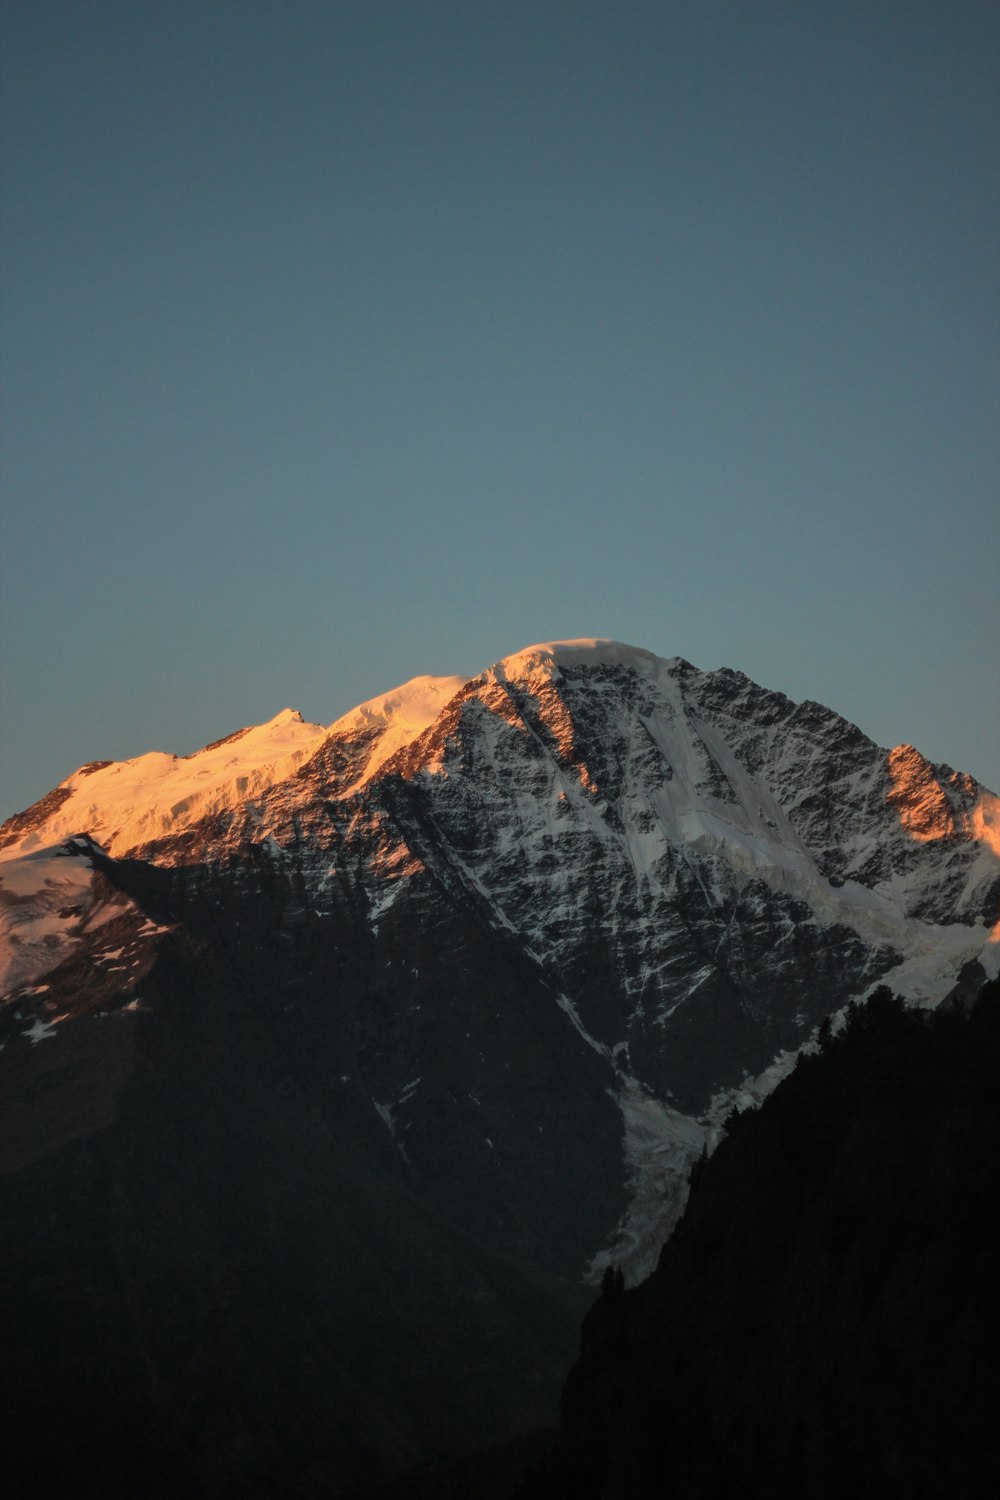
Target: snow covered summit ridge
131, 804
125, 804
593, 651
396, 718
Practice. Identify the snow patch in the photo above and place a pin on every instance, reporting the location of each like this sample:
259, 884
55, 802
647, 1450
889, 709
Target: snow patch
990, 955
45, 897
40, 1031
565, 1004
660, 1145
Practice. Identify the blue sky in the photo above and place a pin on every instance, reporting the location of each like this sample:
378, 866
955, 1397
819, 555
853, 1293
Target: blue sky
343, 342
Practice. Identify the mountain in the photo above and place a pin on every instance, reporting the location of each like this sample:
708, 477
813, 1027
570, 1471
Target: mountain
337, 1060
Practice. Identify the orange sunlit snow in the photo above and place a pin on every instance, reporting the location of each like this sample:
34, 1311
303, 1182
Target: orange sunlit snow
985, 823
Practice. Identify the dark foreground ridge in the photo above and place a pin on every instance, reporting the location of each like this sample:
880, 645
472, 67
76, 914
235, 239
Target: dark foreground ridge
824, 1320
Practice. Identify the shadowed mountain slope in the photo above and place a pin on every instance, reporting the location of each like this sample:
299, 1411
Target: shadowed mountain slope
824, 1319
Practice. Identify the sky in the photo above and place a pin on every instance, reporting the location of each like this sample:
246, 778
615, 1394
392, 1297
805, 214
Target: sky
344, 342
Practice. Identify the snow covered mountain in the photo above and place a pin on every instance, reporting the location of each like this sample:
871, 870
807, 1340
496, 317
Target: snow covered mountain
516, 943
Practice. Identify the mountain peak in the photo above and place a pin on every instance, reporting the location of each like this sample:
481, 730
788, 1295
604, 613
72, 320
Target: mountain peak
587, 651
544, 661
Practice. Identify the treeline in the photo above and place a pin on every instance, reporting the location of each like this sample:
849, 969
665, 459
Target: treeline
824, 1320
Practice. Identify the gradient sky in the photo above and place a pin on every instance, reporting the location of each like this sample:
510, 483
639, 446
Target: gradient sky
348, 341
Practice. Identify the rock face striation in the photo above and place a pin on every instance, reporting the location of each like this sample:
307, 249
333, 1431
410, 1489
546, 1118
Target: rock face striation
336, 1060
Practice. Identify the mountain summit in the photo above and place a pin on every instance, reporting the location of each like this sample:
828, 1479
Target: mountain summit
419, 1020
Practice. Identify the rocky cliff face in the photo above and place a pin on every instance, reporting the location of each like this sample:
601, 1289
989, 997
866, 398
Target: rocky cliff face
449, 996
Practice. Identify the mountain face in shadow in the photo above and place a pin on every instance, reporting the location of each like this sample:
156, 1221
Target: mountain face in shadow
824, 1320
